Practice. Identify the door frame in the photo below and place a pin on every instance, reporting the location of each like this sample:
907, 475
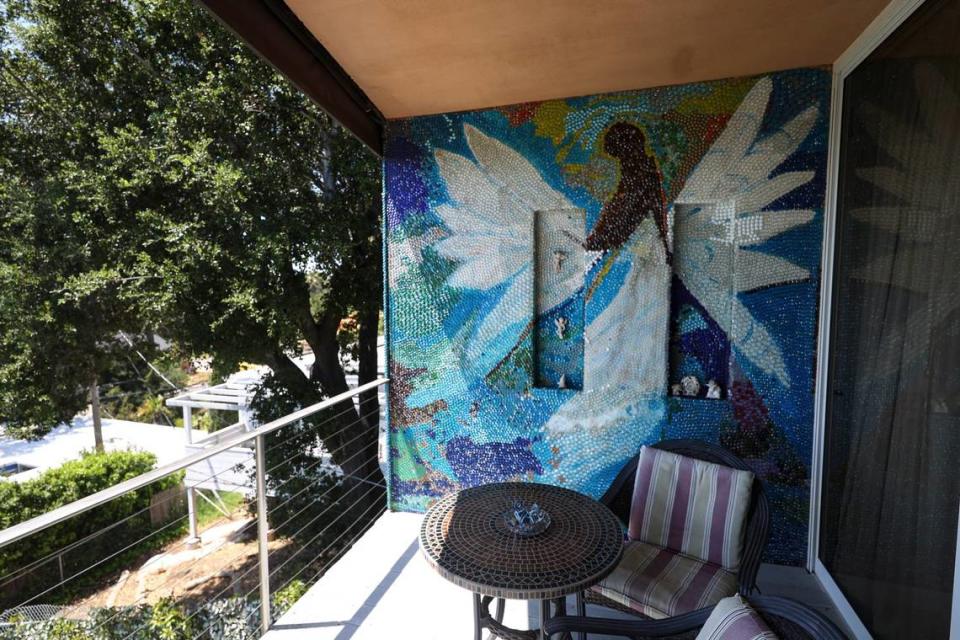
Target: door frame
886, 22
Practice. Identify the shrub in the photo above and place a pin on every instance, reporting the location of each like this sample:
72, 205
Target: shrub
287, 596
225, 619
107, 535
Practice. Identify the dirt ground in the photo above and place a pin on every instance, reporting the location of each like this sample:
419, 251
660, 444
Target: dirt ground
225, 564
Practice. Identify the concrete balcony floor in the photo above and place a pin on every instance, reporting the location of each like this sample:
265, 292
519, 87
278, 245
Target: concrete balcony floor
383, 588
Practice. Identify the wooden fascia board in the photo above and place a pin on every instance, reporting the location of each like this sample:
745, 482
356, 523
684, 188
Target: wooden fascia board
271, 30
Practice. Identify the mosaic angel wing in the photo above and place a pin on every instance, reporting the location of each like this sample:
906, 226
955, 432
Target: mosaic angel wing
723, 204
493, 199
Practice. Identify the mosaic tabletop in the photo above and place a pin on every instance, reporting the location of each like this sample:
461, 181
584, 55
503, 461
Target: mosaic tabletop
465, 537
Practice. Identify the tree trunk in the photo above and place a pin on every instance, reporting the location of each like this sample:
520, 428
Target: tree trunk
95, 410
352, 441
369, 403
367, 338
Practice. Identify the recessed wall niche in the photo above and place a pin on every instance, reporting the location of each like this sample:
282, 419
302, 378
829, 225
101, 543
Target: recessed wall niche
699, 340
558, 298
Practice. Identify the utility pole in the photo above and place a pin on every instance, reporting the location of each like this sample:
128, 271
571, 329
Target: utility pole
95, 410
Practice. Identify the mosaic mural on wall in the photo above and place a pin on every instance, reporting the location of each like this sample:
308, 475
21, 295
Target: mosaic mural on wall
557, 269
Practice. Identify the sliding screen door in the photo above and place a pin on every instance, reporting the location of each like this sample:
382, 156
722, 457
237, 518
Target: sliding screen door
891, 476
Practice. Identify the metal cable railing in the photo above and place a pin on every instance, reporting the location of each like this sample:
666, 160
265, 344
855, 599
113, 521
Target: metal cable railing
342, 494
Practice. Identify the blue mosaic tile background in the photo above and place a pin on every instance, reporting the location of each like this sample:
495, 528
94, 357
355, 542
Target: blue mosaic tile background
700, 256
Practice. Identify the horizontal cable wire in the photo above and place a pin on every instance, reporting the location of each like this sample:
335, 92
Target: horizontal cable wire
98, 563
7, 578
256, 565
167, 582
359, 420
311, 483
322, 512
73, 545
313, 503
82, 505
166, 526
331, 461
240, 577
352, 408
339, 553
322, 570
274, 446
309, 542
326, 566
70, 547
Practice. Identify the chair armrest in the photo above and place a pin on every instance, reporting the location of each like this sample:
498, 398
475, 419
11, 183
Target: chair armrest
635, 629
810, 620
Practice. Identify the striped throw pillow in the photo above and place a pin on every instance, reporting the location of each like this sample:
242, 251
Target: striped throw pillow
695, 507
734, 619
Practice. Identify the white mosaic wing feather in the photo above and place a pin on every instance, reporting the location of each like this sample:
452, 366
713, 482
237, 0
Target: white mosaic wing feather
732, 186
490, 219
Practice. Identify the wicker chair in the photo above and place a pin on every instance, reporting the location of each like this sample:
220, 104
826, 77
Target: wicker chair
620, 494
789, 619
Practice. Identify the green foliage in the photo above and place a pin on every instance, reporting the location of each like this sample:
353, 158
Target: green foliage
92, 537
211, 421
168, 621
287, 596
130, 390
224, 619
156, 176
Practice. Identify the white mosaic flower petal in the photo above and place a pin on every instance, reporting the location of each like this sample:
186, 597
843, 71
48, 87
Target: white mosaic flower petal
594, 413
472, 247
476, 198
490, 220
770, 152
502, 327
711, 180
460, 224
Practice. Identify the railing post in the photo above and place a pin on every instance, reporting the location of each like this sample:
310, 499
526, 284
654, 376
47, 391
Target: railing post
194, 539
263, 529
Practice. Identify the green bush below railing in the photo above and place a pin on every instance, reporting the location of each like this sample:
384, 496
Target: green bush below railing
226, 619
78, 553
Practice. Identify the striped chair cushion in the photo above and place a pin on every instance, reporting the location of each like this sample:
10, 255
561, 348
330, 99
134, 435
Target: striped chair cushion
695, 507
660, 583
734, 619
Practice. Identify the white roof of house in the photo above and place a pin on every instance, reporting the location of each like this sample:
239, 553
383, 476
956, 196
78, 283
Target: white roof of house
66, 442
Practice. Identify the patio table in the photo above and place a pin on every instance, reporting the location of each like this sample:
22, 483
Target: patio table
465, 538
